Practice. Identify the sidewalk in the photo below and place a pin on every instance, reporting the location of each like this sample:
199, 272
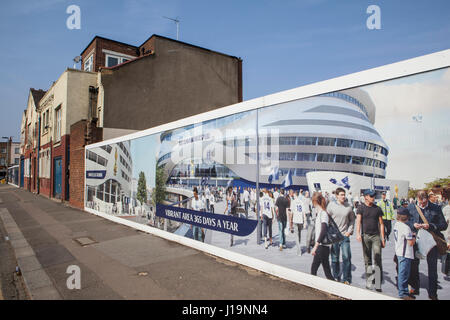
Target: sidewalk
120, 262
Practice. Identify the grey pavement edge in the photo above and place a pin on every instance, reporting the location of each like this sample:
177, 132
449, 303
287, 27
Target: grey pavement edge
36, 280
121, 262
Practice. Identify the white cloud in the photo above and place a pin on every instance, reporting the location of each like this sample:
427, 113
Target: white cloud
419, 152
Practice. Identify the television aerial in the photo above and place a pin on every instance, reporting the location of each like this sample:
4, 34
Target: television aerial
177, 22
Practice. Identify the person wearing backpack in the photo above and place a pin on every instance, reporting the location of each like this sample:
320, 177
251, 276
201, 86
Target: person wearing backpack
321, 252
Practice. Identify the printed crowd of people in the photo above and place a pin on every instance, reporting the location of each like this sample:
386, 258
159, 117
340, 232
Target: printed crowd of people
372, 222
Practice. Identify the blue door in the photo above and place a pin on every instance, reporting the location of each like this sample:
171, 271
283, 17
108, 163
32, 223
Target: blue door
57, 177
22, 161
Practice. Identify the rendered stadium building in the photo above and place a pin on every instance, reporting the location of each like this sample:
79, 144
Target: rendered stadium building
108, 177
330, 132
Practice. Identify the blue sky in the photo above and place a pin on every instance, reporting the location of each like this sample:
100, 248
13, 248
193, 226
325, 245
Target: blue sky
284, 44
144, 151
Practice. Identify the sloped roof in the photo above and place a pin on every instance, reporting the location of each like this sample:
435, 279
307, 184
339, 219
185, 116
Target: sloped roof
37, 95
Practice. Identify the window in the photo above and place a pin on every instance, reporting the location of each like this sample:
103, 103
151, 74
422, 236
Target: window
324, 157
287, 140
58, 124
107, 148
96, 158
359, 144
307, 141
306, 156
2, 161
29, 134
368, 161
346, 143
287, 156
357, 160
343, 158
112, 61
89, 63
326, 142
47, 112
16, 161
43, 122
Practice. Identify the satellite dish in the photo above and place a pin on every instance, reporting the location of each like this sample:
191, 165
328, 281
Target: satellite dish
77, 59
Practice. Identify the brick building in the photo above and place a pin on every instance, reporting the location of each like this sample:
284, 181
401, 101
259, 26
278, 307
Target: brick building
122, 89
65, 103
29, 137
139, 87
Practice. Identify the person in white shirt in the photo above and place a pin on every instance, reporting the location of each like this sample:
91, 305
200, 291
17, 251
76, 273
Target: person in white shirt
253, 199
212, 202
267, 208
246, 197
289, 213
298, 219
205, 201
404, 242
197, 205
276, 194
230, 209
207, 197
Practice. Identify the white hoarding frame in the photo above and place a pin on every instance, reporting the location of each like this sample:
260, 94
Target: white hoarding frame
392, 71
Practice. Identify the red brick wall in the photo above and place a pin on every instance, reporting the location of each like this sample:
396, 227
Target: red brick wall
148, 45
76, 181
99, 56
78, 141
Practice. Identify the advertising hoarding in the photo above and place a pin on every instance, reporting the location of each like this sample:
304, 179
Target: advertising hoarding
203, 180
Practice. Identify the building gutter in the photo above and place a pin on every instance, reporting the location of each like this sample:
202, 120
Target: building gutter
38, 153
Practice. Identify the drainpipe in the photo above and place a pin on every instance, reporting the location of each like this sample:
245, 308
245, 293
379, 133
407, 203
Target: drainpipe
38, 153
51, 168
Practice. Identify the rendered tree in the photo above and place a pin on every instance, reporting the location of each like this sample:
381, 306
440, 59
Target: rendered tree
142, 188
159, 192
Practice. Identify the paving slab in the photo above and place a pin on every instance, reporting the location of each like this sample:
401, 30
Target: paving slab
36, 279
24, 252
19, 243
53, 254
110, 268
29, 263
46, 293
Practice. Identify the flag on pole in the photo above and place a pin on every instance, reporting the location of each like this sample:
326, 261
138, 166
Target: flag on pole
274, 174
287, 180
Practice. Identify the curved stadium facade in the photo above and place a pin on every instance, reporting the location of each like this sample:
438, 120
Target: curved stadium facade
330, 132
114, 165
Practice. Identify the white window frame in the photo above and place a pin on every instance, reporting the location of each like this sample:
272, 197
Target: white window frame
119, 56
58, 116
89, 63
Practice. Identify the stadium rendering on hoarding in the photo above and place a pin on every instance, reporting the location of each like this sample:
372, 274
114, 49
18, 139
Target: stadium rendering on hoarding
330, 132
